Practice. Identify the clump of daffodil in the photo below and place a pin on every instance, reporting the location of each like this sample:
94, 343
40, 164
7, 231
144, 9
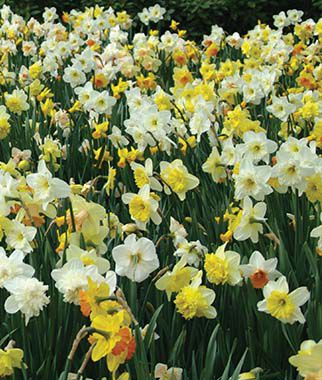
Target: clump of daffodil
238, 121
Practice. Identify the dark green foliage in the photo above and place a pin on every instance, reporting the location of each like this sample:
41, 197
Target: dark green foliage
196, 16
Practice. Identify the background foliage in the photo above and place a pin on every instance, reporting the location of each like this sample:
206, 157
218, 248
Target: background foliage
194, 15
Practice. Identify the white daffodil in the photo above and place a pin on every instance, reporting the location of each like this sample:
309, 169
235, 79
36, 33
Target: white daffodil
177, 231
72, 278
228, 154
27, 295
135, 259
74, 75
85, 94
291, 169
252, 181
8, 189
317, 233
193, 251
281, 108
103, 103
88, 258
13, 266
45, 187
259, 270
251, 225
256, 147
199, 124
19, 236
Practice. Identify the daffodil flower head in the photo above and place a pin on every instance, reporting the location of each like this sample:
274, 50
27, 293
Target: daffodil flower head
281, 304
177, 178
259, 270
178, 278
142, 207
223, 266
308, 360
135, 259
106, 335
10, 359
195, 300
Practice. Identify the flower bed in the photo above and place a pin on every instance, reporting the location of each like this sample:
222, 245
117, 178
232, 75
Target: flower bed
160, 199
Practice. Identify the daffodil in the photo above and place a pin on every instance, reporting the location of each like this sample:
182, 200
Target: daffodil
9, 360
250, 224
281, 304
162, 372
259, 270
173, 281
215, 166
95, 300
308, 360
143, 175
73, 277
195, 300
177, 178
45, 187
135, 259
142, 207
223, 266
27, 295
88, 258
19, 236
17, 102
12, 266
106, 336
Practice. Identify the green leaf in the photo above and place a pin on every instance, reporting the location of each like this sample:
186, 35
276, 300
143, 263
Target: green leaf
151, 328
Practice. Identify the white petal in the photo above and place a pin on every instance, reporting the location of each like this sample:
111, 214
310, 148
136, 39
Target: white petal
146, 248
261, 306
257, 259
300, 296
11, 306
